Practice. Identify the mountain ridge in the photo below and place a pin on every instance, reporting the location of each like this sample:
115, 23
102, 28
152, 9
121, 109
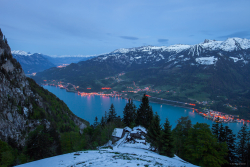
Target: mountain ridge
37, 62
201, 72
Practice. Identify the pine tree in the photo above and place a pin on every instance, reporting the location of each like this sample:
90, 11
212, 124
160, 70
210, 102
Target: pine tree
248, 150
129, 113
112, 114
242, 144
202, 147
215, 128
180, 134
102, 122
144, 113
154, 132
5, 39
105, 117
1, 34
230, 140
95, 122
166, 146
222, 135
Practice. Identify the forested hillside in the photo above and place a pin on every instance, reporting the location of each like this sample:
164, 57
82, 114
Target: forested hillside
34, 123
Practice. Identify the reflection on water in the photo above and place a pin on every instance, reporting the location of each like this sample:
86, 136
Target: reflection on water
88, 107
191, 114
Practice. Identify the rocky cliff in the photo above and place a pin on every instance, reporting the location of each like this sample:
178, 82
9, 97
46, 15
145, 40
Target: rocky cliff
24, 105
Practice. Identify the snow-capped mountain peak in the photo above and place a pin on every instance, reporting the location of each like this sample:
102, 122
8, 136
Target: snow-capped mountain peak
228, 45
205, 53
20, 52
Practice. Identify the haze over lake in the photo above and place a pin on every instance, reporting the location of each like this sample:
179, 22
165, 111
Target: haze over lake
88, 107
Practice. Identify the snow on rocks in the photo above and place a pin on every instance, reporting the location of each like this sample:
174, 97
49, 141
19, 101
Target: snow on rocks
26, 111
235, 59
20, 52
206, 60
177, 48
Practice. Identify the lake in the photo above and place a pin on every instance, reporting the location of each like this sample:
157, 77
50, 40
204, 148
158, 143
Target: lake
88, 107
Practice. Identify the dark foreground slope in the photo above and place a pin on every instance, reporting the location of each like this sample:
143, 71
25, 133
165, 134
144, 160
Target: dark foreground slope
33, 121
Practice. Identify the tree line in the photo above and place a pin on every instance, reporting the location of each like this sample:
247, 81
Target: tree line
197, 144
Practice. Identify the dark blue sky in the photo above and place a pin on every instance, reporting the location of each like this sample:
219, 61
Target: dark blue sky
63, 27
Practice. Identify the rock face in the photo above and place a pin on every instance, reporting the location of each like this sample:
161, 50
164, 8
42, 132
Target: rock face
15, 100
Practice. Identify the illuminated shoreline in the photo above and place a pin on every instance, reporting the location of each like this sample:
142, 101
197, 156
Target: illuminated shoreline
212, 115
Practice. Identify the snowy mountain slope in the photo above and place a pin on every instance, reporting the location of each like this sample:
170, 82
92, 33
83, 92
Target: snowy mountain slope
32, 63
122, 156
20, 52
175, 55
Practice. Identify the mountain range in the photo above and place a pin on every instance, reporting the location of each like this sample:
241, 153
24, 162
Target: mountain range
37, 62
208, 71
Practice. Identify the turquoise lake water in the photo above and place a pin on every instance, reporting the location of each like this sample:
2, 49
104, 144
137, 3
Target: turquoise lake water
88, 107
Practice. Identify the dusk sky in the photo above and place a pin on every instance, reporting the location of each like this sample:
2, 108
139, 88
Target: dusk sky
60, 27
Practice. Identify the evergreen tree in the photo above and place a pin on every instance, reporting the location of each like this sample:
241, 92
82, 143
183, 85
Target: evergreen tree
95, 122
248, 150
129, 113
1, 34
5, 40
112, 114
230, 140
242, 144
102, 122
180, 134
144, 113
105, 117
154, 132
39, 143
7, 155
215, 128
166, 146
222, 134
202, 148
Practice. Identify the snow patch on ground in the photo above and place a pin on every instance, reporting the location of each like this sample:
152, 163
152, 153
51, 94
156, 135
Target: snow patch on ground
122, 156
235, 59
124, 153
161, 56
206, 60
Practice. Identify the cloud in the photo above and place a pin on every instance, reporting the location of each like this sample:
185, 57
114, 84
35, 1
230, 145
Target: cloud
240, 34
129, 37
163, 40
